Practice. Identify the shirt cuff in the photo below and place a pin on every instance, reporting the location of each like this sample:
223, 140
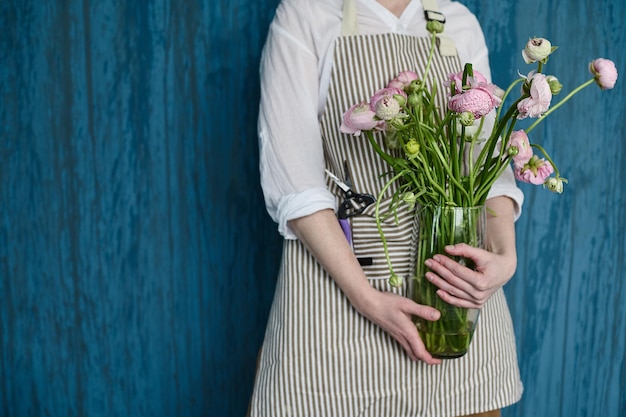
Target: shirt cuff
296, 205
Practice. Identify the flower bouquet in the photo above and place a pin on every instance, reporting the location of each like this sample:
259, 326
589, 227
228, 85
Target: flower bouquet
445, 161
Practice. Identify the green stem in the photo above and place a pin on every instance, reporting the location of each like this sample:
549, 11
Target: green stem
448, 170
471, 167
440, 226
433, 44
454, 156
488, 149
506, 94
481, 194
497, 131
378, 221
559, 104
545, 153
386, 157
435, 184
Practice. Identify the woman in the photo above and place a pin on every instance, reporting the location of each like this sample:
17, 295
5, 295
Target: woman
340, 341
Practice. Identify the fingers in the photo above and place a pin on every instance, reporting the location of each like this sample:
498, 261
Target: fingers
414, 347
460, 302
413, 344
450, 276
393, 313
459, 285
411, 308
419, 351
407, 348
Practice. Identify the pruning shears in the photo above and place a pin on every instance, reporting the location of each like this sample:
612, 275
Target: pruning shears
353, 203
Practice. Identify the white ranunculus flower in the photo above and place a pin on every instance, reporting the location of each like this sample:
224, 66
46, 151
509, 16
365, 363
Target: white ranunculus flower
537, 49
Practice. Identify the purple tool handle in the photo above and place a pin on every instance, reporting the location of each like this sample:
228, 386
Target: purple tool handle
347, 230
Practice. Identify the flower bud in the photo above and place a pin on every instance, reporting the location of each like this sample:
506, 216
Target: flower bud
395, 281
467, 118
415, 86
513, 151
412, 149
400, 99
604, 72
434, 26
410, 198
537, 49
555, 85
555, 184
414, 99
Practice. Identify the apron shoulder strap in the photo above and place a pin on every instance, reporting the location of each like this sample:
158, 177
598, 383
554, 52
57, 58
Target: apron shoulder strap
431, 12
349, 23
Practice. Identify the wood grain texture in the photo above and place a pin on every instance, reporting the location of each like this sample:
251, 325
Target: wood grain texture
137, 263
137, 259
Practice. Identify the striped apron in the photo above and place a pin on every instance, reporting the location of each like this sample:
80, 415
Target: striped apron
320, 357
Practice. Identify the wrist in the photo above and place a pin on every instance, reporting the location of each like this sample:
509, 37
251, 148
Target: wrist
509, 263
362, 296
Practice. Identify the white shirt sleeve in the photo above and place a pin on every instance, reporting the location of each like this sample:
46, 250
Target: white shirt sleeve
290, 144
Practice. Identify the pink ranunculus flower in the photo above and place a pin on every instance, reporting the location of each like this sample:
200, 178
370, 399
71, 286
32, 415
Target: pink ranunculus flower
359, 117
403, 80
519, 139
534, 171
540, 97
385, 105
479, 100
604, 71
457, 79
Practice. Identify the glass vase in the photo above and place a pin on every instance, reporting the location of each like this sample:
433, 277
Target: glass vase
451, 335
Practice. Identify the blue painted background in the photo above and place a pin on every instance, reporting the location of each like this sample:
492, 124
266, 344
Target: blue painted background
137, 263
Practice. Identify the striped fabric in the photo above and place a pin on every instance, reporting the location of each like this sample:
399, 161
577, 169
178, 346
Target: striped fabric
320, 357
363, 65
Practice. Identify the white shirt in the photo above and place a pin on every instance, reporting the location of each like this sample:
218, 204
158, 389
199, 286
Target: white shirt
295, 73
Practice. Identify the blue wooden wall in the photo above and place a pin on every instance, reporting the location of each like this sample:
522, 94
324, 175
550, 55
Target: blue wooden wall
137, 263
569, 294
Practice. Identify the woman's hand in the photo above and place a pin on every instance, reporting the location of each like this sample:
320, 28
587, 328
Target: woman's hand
393, 313
321, 234
464, 287
494, 267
